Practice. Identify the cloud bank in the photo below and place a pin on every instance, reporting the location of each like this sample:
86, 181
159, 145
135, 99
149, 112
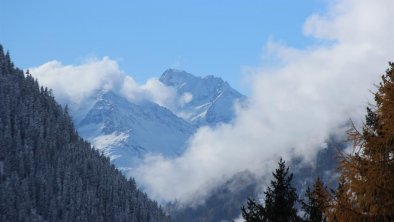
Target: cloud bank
293, 109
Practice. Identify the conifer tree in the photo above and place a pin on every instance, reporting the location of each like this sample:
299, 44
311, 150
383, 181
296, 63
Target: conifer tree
366, 191
280, 199
253, 212
316, 202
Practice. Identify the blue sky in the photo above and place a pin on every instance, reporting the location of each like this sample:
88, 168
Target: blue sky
146, 37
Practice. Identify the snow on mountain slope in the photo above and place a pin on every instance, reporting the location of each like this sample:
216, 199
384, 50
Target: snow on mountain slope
204, 100
126, 131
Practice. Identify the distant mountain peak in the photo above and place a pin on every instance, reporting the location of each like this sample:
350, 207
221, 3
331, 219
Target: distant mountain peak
176, 77
212, 97
173, 77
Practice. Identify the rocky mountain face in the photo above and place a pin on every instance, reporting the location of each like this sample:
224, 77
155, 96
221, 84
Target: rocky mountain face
207, 100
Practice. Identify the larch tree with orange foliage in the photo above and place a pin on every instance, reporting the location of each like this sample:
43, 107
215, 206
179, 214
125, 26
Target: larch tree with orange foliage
366, 189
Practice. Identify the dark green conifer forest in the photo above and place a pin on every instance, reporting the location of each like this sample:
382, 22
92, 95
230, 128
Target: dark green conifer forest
48, 172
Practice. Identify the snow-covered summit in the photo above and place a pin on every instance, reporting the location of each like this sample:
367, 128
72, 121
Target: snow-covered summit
209, 99
185, 81
175, 77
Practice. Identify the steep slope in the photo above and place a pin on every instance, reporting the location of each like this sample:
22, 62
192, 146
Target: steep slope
206, 100
47, 172
126, 131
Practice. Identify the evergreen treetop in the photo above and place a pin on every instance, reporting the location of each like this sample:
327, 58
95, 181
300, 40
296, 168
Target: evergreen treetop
316, 202
280, 200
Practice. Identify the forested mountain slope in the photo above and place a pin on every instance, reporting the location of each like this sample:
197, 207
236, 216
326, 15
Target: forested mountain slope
48, 172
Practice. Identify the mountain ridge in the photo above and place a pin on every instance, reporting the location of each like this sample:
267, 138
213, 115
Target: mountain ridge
211, 99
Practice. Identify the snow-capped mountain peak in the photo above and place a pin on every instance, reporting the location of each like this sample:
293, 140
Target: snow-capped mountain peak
209, 97
175, 77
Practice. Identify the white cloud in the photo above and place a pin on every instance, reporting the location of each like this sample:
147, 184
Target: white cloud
293, 109
72, 84
153, 90
185, 99
239, 219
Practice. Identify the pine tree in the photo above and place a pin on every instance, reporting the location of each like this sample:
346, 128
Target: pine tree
253, 212
316, 202
281, 196
280, 200
366, 191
